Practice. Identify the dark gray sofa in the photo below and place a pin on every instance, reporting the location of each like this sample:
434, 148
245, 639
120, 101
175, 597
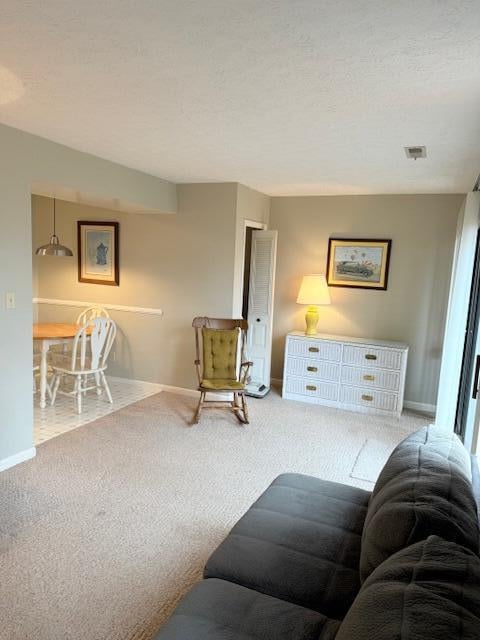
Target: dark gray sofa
316, 560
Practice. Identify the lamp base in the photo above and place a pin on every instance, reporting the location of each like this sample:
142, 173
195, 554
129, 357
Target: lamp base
311, 318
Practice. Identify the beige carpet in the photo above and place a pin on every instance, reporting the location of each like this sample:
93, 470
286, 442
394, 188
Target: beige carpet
111, 523
371, 459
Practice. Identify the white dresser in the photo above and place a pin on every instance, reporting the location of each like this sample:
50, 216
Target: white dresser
348, 373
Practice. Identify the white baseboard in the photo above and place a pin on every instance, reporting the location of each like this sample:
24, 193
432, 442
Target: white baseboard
135, 381
11, 461
422, 407
193, 393
181, 391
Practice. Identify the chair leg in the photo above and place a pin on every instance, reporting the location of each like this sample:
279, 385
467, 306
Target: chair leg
106, 387
78, 392
55, 385
245, 409
241, 410
196, 418
98, 384
50, 387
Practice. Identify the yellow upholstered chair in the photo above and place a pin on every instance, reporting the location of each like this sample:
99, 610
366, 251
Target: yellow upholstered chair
221, 365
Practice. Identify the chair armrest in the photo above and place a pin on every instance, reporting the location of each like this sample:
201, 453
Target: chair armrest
245, 366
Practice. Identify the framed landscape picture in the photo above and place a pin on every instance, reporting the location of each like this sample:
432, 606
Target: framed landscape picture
98, 252
362, 264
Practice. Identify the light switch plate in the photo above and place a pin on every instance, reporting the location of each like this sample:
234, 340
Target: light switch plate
10, 300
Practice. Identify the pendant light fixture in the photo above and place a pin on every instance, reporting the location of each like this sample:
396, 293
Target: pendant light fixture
53, 248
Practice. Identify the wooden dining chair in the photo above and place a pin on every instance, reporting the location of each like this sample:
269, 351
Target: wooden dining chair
88, 357
221, 363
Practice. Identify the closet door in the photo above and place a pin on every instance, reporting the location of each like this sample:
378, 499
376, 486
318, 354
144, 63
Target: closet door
260, 304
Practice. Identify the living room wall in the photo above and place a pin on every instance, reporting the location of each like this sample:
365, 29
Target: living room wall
412, 310
181, 264
165, 264
184, 264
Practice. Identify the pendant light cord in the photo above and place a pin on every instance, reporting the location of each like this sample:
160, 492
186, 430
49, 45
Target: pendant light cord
54, 248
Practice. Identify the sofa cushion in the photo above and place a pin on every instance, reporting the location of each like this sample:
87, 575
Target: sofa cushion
300, 542
438, 442
218, 610
428, 590
425, 488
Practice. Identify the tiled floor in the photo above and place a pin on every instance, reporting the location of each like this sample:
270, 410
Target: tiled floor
53, 421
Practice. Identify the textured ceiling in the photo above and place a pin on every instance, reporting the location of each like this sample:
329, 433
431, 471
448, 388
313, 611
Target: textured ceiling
287, 96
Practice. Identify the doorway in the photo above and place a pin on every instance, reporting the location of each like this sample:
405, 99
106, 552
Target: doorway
468, 388
257, 303
467, 413
250, 227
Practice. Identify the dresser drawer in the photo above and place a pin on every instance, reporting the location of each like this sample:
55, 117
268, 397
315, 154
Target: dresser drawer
313, 388
315, 349
318, 369
370, 377
372, 357
364, 397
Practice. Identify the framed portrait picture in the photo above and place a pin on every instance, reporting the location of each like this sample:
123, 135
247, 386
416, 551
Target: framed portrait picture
362, 264
98, 252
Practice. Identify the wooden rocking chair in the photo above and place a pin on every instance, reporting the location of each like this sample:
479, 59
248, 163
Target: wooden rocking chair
217, 363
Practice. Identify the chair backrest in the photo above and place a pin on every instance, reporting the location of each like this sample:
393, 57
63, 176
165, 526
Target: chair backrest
92, 344
90, 313
220, 339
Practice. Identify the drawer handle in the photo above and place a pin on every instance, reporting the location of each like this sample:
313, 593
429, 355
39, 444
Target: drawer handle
370, 356
367, 376
313, 349
367, 398
312, 368
311, 387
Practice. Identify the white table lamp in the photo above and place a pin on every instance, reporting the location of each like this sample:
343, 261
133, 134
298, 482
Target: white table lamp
313, 291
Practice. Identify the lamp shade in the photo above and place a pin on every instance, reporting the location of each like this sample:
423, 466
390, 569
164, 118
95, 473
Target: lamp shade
53, 248
313, 290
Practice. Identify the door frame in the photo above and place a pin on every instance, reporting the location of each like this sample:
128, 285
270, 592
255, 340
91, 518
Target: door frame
469, 351
238, 290
266, 377
457, 311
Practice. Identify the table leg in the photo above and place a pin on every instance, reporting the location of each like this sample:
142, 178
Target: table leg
43, 373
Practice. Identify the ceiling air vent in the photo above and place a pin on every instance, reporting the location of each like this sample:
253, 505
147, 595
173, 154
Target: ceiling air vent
416, 152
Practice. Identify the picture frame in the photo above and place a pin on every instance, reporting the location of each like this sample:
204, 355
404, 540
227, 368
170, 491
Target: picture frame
98, 252
358, 263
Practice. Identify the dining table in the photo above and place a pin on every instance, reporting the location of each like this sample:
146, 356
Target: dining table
48, 334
